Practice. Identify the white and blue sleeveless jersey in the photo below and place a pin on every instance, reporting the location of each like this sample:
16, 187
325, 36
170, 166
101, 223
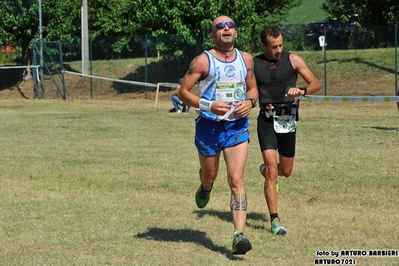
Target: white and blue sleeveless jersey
219, 72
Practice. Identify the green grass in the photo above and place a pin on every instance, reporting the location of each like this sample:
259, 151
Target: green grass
308, 11
112, 182
340, 72
354, 72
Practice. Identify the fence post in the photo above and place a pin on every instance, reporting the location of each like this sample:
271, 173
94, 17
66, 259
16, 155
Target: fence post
325, 61
145, 67
62, 71
396, 61
91, 65
34, 77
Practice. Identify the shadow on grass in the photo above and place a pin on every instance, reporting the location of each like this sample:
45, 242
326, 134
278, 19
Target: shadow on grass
253, 219
369, 64
360, 61
385, 128
200, 238
67, 67
11, 78
185, 235
155, 72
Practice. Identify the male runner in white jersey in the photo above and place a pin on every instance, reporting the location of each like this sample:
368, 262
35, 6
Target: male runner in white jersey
228, 92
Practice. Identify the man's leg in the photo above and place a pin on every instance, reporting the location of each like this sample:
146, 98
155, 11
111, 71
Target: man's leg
176, 101
270, 173
209, 170
207, 174
235, 158
285, 166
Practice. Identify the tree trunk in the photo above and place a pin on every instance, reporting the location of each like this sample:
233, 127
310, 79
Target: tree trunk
26, 59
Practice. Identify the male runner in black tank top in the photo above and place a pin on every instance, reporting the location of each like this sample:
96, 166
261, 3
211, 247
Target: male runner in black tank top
276, 76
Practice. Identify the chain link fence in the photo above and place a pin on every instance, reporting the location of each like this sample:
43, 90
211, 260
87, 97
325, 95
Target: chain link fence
149, 59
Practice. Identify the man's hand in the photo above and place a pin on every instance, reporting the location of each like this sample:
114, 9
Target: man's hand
243, 108
295, 92
220, 108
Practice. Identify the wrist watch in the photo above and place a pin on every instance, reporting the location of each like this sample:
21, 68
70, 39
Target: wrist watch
253, 102
304, 89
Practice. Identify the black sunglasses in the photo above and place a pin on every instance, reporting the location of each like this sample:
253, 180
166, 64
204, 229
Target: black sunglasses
221, 25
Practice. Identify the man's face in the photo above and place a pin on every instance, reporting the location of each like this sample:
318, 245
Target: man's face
274, 47
224, 30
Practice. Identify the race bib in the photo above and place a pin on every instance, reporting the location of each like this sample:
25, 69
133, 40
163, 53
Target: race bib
284, 124
230, 91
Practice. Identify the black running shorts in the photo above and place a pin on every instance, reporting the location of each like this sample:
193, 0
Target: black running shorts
284, 143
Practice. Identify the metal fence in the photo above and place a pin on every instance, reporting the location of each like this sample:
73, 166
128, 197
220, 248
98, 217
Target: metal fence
142, 59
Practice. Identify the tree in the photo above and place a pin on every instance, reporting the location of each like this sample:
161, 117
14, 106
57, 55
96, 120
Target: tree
19, 22
14, 22
175, 26
365, 17
369, 12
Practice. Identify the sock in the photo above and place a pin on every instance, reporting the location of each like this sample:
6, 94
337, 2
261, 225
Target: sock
238, 232
273, 216
206, 190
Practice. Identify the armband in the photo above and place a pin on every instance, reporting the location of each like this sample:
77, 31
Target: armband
304, 89
205, 105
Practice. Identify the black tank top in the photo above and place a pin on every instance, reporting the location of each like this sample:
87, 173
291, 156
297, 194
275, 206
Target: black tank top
273, 78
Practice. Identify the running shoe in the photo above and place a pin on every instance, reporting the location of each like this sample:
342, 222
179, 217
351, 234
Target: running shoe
277, 227
202, 197
262, 170
241, 243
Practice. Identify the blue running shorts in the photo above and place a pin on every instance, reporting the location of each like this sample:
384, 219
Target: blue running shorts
211, 137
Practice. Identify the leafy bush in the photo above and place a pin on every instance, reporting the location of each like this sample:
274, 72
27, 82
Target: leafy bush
294, 37
7, 57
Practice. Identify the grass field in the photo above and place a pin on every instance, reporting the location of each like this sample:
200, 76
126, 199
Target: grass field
308, 11
341, 73
112, 182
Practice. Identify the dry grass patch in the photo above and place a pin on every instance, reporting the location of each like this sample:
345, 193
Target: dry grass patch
92, 182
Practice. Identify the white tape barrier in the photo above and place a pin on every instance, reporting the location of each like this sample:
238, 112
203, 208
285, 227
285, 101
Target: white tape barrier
164, 84
15, 67
318, 98
374, 99
115, 80
170, 85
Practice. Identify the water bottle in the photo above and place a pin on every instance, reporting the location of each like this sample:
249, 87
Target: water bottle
270, 112
294, 108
